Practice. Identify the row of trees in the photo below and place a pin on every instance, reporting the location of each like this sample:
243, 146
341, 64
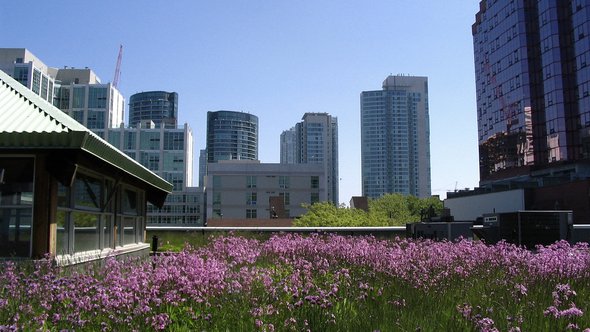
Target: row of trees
388, 210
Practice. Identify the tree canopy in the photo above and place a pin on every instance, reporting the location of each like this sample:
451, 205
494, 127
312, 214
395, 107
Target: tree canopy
388, 210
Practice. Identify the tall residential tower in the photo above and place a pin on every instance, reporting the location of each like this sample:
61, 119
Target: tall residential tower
231, 136
160, 107
314, 141
395, 138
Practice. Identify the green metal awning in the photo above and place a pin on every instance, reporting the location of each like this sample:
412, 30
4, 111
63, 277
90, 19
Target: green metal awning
29, 122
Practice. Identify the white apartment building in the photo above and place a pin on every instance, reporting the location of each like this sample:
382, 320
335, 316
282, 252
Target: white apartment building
27, 69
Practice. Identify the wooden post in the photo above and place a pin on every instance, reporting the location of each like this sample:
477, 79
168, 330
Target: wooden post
41, 209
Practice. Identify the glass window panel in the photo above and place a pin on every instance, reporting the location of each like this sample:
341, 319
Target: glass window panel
286, 198
79, 96
115, 139
173, 140
97, 97
107, 229
16, 206
130, 204
130, 140
315, 182
173, 161
78, 116
251, 214
36, 81
44, 87
251, 198
251, 182
284, 182
149, 140
61, 243
86, 231
96, 120
61, 98
128, 230
87, 192
21, 74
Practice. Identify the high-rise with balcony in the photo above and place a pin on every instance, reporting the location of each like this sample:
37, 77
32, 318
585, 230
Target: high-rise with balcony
231, 136
314, 141
80, 93
395, 138
532, 70
160, 107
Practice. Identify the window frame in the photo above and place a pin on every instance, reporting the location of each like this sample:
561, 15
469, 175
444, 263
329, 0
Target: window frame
111, 214
28, 207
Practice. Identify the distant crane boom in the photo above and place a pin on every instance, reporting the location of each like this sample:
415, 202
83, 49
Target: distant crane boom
118, 67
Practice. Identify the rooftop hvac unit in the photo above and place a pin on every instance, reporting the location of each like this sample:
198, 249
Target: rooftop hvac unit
438, 230
526, 228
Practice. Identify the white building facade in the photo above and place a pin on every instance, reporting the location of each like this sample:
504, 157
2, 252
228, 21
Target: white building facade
26, 68
80, 94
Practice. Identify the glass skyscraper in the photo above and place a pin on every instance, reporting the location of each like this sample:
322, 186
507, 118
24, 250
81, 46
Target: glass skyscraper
532, 69
231, 135
160, 107
314, 141
395, 138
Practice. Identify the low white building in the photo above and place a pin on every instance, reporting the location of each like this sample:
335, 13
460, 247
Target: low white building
246, 189
469, 206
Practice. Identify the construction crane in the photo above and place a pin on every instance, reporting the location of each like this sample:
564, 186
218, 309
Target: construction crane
118, 67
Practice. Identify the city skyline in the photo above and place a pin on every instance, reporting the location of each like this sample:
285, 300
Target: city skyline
277, 61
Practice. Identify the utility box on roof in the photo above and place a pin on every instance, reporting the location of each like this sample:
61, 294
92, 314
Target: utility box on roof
440, 230
527, 228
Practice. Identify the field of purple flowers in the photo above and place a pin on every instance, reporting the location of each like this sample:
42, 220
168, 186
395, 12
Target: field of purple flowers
316, 283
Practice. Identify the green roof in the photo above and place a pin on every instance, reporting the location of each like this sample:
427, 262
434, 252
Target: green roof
29, 122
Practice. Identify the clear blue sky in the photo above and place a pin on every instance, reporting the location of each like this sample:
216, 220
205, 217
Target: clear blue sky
275, 59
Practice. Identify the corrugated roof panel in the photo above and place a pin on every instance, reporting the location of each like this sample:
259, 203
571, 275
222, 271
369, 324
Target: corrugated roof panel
21, 115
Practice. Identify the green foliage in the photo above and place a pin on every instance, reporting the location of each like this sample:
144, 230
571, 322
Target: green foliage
328, 215
388, 210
